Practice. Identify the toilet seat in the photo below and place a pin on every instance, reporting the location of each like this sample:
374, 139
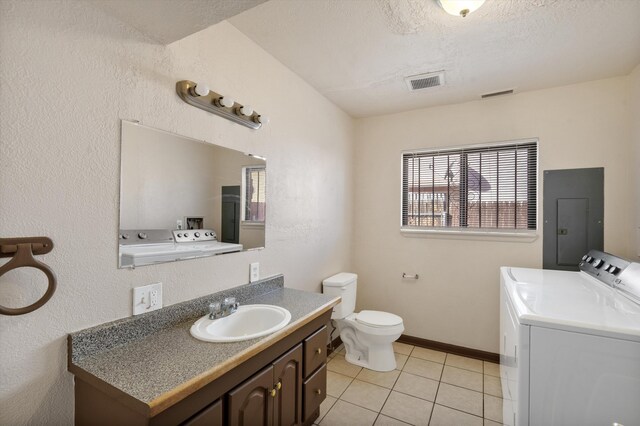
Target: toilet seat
378, 319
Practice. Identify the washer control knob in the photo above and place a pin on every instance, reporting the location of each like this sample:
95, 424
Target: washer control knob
613, 269
142, 235
589, 259
197, 235
186, 234
125, 236
585, 257
179, 235
597, 263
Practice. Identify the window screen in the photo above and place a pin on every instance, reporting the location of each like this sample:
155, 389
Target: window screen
471, 188
254, 194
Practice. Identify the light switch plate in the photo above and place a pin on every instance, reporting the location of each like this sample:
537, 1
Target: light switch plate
254, 272
147, 298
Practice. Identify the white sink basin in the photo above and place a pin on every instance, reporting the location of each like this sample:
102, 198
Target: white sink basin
248, 322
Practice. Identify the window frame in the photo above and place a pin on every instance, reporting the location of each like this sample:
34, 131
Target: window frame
497, 234
243, 197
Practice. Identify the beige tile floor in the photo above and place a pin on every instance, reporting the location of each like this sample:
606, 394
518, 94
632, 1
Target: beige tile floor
427, 388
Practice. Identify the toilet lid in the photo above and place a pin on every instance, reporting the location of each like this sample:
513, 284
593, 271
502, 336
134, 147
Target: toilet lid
378, 319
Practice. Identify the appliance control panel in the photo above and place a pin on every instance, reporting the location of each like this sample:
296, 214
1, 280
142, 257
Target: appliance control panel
191, 235
144, 236
630, 281
613, 271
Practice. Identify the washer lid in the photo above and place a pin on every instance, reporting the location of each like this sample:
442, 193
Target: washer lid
378, 319
572, 301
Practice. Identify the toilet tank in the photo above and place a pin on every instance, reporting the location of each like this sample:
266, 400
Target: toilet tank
344, 285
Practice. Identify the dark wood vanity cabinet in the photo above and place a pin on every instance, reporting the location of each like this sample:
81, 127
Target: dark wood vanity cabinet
271, 397
281, 385
275, 395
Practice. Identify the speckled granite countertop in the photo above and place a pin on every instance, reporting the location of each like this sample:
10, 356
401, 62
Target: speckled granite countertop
149, 367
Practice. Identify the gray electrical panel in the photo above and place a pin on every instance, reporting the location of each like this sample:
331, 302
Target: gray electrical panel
573, 210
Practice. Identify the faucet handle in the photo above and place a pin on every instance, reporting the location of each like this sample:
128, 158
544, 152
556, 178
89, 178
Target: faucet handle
214, 309
229, 301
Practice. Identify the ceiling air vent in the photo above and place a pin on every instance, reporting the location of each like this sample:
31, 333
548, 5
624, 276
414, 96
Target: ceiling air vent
491, 95
425, 81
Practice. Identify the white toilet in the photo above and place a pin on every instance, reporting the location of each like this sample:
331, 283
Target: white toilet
367, 335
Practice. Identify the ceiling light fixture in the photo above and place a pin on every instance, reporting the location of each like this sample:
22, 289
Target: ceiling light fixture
460, 7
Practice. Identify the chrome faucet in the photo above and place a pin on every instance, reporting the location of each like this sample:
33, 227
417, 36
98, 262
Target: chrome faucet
219, 310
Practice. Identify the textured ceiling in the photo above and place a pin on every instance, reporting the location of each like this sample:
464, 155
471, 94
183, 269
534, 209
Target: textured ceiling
166, 21
357, 52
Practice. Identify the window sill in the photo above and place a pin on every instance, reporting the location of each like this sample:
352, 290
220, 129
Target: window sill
246, 224
522, 236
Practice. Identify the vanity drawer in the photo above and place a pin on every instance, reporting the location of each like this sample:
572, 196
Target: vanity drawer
315, 351
314, 391
210, 416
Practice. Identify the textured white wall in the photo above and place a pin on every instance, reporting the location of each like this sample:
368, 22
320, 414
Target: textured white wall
456, 299
634, 82
68, 73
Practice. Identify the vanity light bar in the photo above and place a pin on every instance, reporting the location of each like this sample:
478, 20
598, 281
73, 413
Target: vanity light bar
199, 96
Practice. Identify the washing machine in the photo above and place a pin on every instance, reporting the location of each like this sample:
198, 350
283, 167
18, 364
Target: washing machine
570, 344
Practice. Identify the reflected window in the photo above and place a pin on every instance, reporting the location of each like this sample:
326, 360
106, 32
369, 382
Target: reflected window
254, 180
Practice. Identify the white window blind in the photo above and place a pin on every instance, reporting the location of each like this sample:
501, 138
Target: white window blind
255, 181
488, 187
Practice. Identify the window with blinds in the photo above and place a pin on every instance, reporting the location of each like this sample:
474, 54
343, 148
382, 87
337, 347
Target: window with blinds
254, 182
492, 187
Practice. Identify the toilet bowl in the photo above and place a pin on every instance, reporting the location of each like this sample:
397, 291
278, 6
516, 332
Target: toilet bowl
367, 335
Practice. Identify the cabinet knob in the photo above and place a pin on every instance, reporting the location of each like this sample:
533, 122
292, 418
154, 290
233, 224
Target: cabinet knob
273, 393
319, 391
279, 386
319, 351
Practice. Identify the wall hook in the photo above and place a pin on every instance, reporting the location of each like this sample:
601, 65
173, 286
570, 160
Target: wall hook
21, 252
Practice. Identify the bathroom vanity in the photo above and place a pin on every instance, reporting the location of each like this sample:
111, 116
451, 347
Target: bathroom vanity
149, 370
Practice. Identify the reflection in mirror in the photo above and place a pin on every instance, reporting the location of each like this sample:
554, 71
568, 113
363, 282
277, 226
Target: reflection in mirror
181, 198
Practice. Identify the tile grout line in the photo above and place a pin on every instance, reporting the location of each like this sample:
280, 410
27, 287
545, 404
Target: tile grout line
438, 390
378, 413
483, 392
386, 399
391, 390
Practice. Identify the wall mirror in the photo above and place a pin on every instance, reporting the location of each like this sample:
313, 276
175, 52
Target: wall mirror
181, 198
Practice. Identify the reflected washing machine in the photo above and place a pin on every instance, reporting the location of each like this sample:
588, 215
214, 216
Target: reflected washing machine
570, 344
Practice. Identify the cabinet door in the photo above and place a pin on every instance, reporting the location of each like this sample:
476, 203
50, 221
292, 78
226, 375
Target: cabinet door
250, 404
287, 380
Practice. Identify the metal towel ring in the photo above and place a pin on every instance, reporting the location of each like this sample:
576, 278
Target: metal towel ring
21, 251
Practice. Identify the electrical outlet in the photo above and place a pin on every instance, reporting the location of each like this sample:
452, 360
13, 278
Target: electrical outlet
179, 224
254, 272
147, 298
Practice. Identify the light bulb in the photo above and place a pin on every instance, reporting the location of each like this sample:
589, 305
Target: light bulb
263, 119
226, 101
246, 110
201, 89
460, 7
